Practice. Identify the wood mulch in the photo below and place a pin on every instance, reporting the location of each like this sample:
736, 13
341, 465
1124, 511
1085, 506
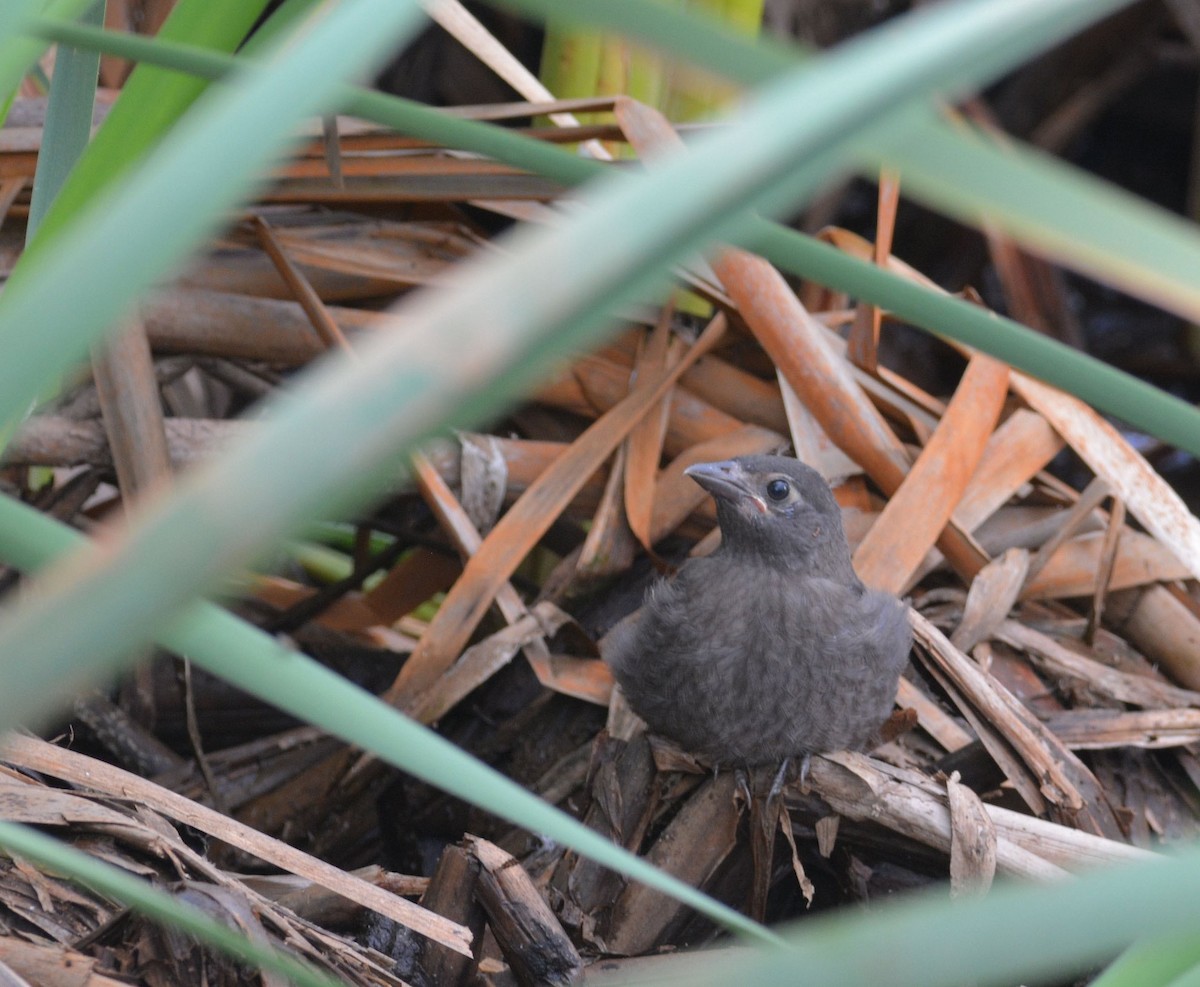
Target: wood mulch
1049, 720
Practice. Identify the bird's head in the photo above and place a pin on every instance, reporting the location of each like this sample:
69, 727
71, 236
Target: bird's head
780, 510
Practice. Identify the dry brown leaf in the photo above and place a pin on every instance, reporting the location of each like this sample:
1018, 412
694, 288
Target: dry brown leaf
523, 525
919, 510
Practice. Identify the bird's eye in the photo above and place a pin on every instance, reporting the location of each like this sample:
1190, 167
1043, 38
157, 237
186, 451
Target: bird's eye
778, 489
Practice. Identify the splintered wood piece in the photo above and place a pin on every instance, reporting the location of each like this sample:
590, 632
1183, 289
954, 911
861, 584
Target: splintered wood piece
932, 718
807, 888
972, 841
1064, 780
452, 894
692, 847
990, 598
813, 446
1146, 495
82, 770
625, 791
53, 965
917, 512
1166, 628
1104, 571
768, 815
327, 329
1056, 659
863, 789
131, 409
130, 743
644, 446
993, 740
523, 525
1022, 445
1085, 507
534, 944
912, 803
863, 344
610, 545
1097, 729
1072, 569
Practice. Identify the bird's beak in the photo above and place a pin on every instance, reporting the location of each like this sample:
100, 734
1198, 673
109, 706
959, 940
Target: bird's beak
726, 480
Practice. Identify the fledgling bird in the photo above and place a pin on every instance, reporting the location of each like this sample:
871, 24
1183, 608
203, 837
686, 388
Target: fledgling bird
770, 648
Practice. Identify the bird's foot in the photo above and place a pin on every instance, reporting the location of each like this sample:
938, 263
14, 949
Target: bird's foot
741, 781
780, 779
805, 764
784, 772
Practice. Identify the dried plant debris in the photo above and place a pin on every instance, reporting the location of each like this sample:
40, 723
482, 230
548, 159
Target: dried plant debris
47, 921
1048, 720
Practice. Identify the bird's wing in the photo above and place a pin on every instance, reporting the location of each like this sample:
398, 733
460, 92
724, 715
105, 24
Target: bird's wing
618, 645
858, 628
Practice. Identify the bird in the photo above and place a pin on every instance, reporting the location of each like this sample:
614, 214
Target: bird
770, 649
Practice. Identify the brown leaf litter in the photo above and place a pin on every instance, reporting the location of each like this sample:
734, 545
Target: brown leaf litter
1050, 721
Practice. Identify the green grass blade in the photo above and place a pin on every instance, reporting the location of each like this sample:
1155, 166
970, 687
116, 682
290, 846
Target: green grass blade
18, 50
1052, 209
1189, 978
151, 102
1152, 963
1055, 211
15, 16
1017, 934
141, 229
68, 120
150, 901
1106, 388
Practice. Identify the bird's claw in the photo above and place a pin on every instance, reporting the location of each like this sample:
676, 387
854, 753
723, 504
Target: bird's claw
741, 781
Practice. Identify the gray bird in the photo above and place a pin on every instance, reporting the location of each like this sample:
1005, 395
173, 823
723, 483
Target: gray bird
770, 648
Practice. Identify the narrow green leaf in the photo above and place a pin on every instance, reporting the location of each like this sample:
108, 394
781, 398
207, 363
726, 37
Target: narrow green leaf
1189, 978
68, 120
1110, 390
18, 50
15, 17
150, 901
1052, 209
1152, 963
150, 103
1017, 934
142, 228
1100, 385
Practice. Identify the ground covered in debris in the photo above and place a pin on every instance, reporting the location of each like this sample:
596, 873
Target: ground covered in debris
1048, 720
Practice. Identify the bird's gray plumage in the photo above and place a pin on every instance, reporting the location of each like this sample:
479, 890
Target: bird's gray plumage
770, 647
